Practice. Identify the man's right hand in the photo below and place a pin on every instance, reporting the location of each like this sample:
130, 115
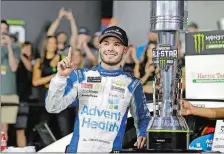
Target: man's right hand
66, 66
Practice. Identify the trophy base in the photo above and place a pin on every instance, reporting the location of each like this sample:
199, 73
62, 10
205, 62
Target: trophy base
166, 140
166, 133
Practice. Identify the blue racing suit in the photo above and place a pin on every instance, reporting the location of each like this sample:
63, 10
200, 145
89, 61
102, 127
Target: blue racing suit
104, 98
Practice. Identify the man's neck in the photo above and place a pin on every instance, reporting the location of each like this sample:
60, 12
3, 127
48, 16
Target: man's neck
76, 66
109, 67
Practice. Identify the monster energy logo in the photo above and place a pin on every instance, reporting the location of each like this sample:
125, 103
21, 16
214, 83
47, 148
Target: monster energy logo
162, 63
199, 42
164, 56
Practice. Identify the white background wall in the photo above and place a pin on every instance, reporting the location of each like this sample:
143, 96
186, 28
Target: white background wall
134, 16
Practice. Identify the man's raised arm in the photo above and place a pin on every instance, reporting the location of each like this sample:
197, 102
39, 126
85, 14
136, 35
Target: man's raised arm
62, 90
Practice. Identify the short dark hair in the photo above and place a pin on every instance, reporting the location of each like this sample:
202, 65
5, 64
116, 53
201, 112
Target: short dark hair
5, 22
26, 43
192, 25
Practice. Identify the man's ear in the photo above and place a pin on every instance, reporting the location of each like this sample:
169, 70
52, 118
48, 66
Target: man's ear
99, 45
125, 50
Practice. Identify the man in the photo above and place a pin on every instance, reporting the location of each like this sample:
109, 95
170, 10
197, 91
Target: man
10, 56
152, 37
83, 44
192, 27
214, 113
4, 27
104, 94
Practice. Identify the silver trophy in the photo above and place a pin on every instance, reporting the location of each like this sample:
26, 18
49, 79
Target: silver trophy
167, 128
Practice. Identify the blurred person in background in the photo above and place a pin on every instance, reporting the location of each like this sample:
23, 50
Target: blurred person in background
45, 68
192, 27
145, 70
62, 37
13, 38
130, 60
94, 46
83, 44
141, 49
4, 27
24, 84
10, 57
38, 42
181, 65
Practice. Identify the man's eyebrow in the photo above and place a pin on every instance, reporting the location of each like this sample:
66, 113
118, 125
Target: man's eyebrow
118, 42
105, 41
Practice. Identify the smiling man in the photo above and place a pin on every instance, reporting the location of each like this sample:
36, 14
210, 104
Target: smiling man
104, 93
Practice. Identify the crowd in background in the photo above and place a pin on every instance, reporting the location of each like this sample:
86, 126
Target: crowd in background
27, 69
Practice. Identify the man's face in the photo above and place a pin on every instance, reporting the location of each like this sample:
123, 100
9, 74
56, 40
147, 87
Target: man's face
61, 38
27, 50
4, 28
112, 51
77, 58
192, 30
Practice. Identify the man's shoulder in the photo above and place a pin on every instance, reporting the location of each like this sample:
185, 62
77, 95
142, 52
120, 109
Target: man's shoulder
130, 76
133, 82
82, 73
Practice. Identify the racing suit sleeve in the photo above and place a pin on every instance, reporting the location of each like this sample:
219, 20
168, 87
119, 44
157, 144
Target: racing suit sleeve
140, 111
62, 92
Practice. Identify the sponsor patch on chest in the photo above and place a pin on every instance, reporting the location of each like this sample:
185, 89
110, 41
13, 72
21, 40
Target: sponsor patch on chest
118, 89
96, 79
92, 86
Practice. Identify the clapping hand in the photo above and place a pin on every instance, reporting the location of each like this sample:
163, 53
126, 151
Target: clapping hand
69, 15
61, 13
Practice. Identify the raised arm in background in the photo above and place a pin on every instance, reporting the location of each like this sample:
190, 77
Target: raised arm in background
51, 31
13, 59
74, 28
89, 55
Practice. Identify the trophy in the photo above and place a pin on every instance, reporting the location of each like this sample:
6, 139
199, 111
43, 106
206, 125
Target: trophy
167, 128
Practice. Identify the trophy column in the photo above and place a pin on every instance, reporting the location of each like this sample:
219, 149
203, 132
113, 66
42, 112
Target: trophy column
167, 128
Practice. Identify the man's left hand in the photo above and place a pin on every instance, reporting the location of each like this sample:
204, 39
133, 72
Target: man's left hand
140, 143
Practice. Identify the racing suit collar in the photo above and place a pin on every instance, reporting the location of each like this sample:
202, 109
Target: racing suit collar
106, 72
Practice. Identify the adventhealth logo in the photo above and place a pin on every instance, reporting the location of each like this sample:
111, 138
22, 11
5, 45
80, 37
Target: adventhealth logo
199, 42
103, 125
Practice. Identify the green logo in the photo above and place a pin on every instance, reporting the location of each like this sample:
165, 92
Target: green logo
54, 69
162, 63
199, 42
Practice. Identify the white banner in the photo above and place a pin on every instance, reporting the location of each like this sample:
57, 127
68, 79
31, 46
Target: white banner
205, 77
218, 141
205, 80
